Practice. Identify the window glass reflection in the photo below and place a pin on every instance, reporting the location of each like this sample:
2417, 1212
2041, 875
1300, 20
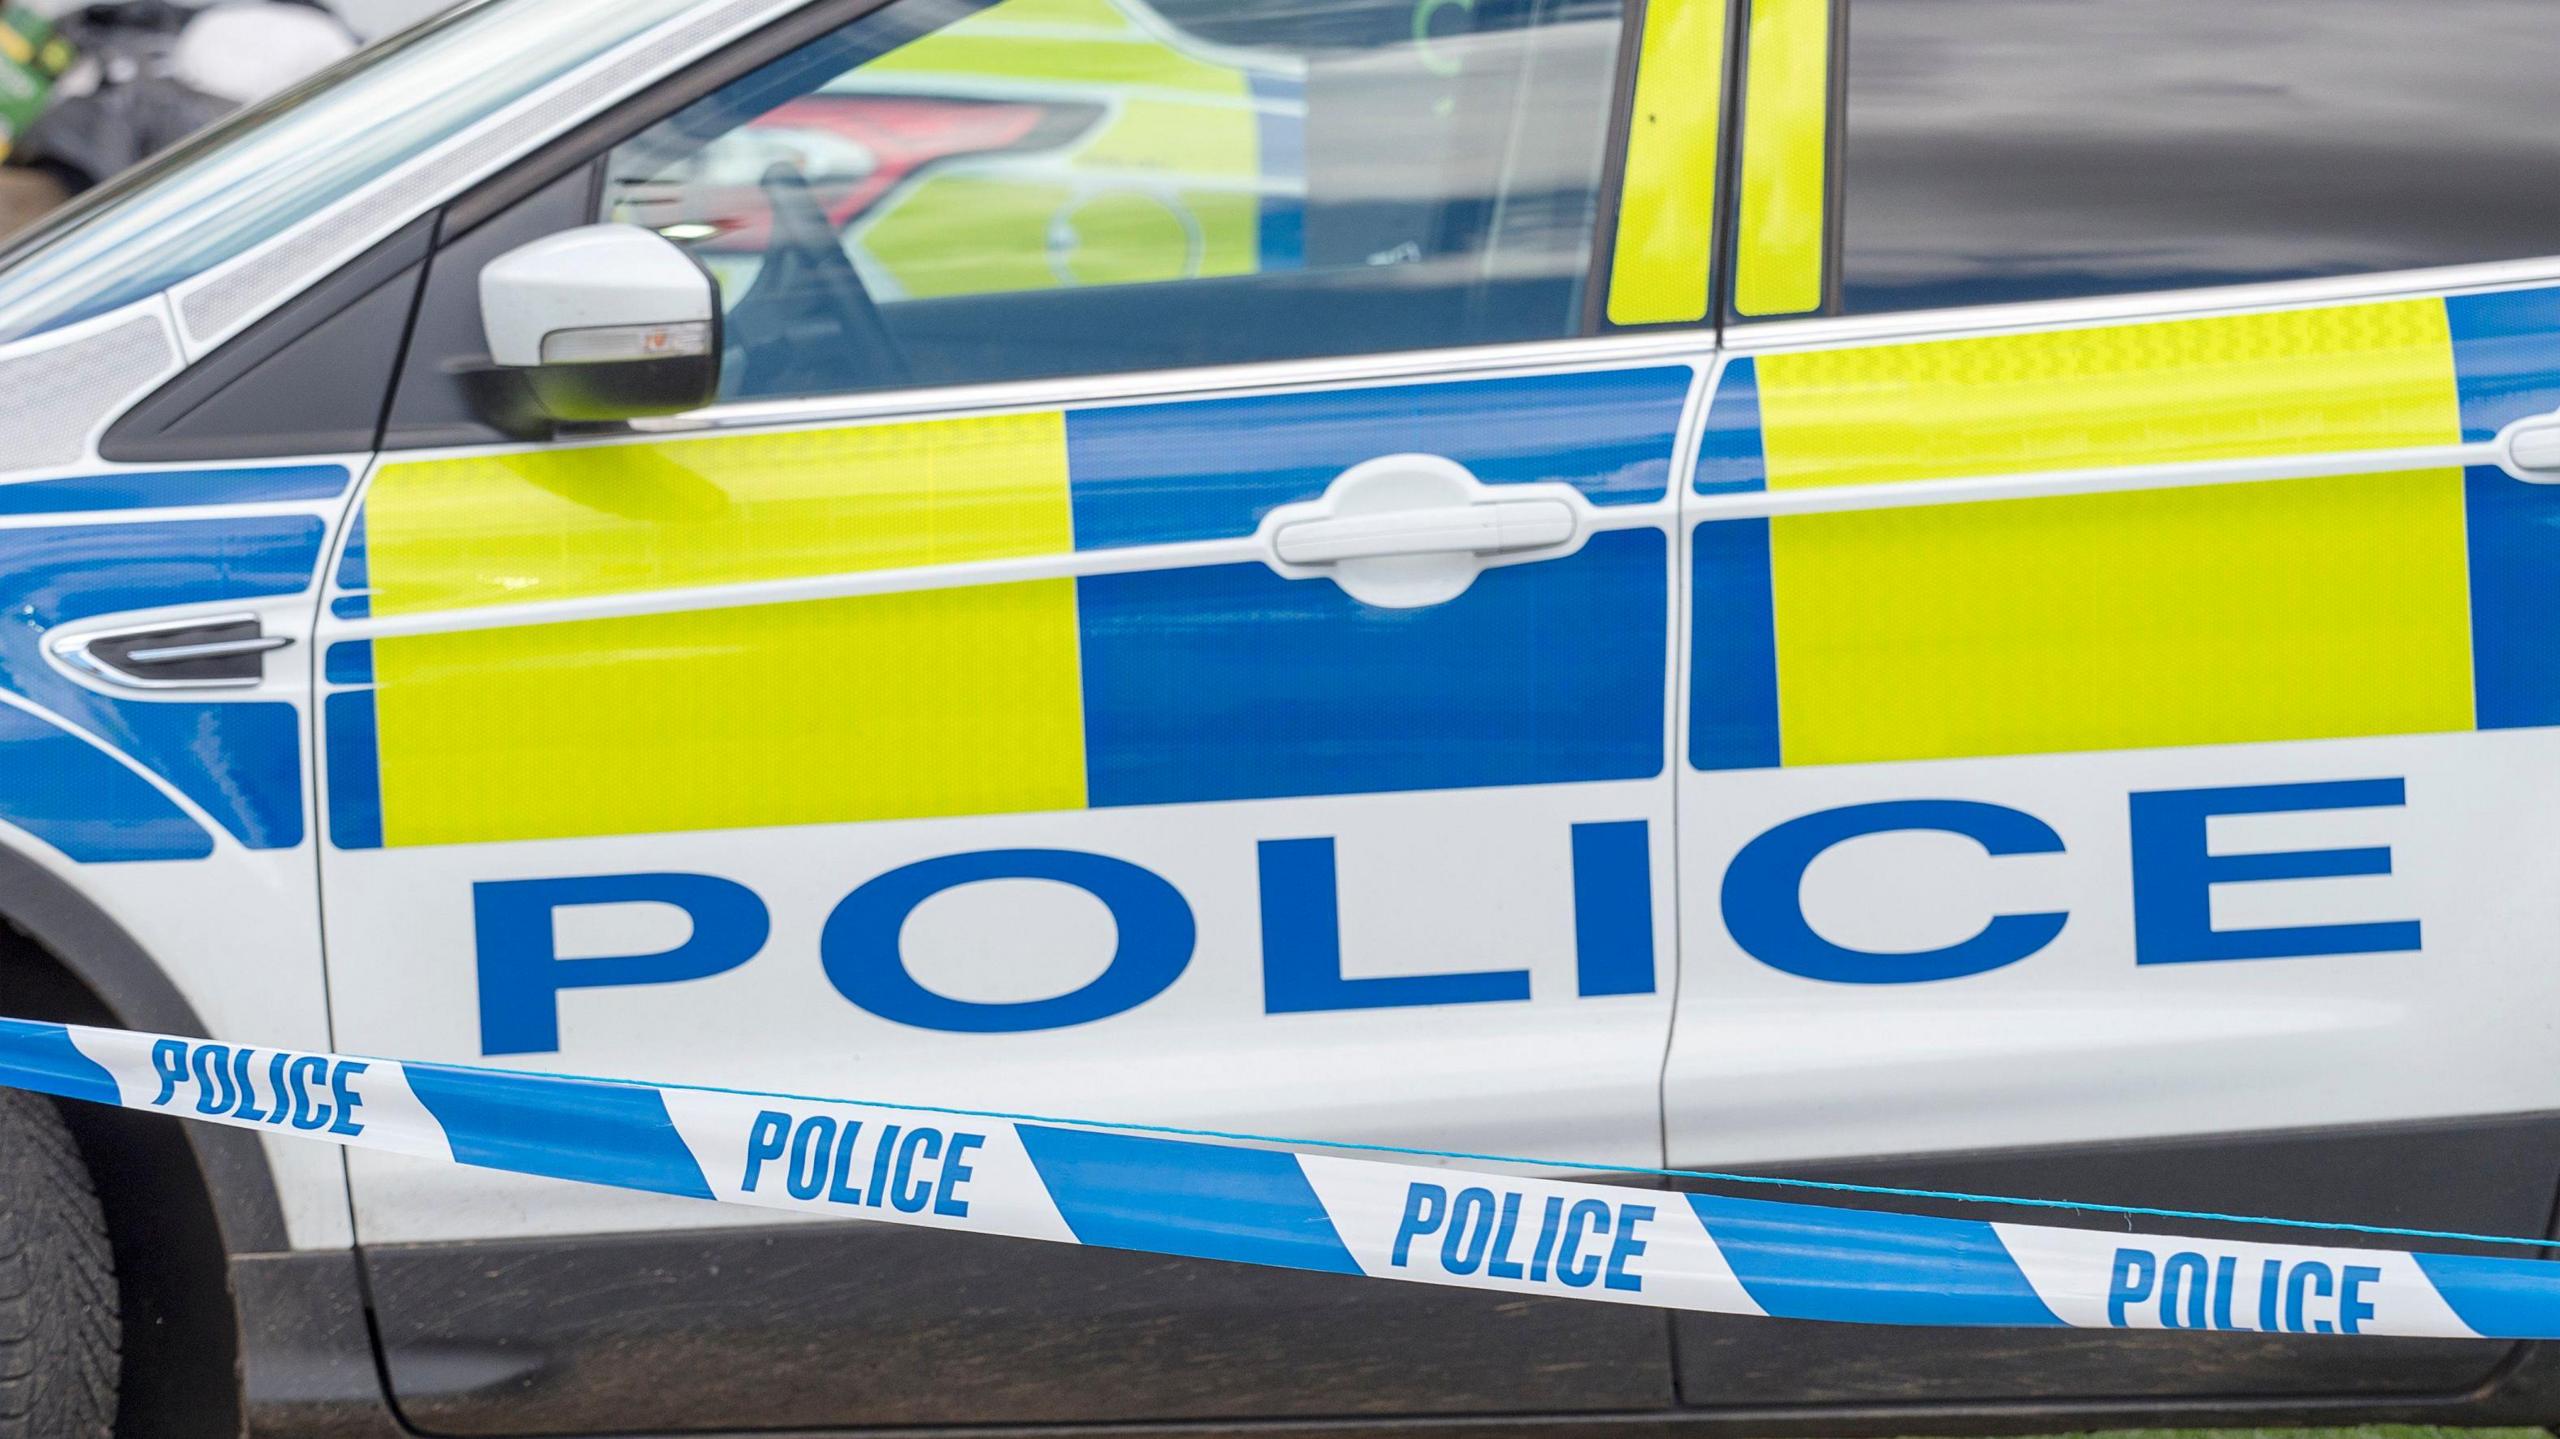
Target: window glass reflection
2004, 150
949, 192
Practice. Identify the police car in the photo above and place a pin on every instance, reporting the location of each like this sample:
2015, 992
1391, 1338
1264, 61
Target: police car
1945, 593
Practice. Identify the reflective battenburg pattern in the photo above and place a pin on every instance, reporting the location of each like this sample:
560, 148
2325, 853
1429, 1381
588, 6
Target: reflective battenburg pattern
1177, 683
2222, 614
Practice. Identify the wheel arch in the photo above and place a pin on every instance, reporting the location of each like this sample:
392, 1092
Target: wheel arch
124, 987
183, 1201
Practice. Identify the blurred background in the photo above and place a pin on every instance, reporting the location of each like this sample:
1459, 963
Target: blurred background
89, 90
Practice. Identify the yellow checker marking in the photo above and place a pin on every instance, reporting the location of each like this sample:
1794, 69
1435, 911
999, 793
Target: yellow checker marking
2211, 615
883, 707
879, 707
1666, 208
1786, 103
575, 523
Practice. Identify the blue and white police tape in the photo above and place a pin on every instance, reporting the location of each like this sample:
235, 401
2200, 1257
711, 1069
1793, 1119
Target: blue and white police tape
1074, 1184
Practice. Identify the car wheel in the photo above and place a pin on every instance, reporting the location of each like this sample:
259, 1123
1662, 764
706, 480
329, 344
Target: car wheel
58, 1324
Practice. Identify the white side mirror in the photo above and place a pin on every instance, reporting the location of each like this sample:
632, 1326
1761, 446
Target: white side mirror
605, 323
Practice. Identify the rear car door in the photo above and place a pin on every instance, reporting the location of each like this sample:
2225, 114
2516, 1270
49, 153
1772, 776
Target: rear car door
987, 706
2119, 719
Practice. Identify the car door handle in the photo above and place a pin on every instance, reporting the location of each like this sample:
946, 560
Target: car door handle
1501, 527
2531, 449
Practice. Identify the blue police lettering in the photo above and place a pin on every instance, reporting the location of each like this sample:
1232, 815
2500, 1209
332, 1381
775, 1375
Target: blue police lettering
860, 951
2304, 1296
1764, 904
1302, 946
2174, 873
1482, 1231
522, 974
251, 1086
901, 1168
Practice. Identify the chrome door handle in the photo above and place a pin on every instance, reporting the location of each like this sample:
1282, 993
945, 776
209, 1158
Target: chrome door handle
1499, 527
220, 652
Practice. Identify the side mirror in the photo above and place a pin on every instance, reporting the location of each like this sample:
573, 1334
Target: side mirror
595, 325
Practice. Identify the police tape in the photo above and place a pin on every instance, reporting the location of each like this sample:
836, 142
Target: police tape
1079, 1184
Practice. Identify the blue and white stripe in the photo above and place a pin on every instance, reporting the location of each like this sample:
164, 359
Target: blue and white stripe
1073, 1184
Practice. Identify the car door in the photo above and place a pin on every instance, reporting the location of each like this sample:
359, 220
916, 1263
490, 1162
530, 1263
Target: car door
2113, 729
988, 707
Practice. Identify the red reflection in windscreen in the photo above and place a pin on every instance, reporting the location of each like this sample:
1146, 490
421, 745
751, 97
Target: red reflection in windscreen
856, 148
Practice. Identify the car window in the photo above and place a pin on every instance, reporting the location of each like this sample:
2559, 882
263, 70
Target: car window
2027, 149
257, 174
952, 192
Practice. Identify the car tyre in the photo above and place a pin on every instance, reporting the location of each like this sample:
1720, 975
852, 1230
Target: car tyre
58, 1313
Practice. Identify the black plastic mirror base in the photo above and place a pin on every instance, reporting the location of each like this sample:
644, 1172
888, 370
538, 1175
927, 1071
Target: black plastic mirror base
533, 404
626, 389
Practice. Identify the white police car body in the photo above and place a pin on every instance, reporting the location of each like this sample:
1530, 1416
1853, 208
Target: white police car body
1794, 585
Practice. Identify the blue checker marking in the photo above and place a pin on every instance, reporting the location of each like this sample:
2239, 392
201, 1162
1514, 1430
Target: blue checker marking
1230, 682
350, 663
2506, 351
1211, 469
1172, 1196
2506, 355
2514, 534
1733, 648
241, 761
41, 1057
153, 491
583, 1130
355, 771
79, 799
1801, 1262
1731, 460
355, 567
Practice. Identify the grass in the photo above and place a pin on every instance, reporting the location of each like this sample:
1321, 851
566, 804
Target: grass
2377, 1431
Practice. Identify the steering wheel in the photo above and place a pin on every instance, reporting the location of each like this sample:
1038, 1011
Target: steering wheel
808, 325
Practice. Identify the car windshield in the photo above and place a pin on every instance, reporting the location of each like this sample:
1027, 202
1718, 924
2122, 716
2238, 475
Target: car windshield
260, 172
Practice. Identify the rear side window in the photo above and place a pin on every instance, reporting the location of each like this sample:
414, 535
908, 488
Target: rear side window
2001, 150
950, 192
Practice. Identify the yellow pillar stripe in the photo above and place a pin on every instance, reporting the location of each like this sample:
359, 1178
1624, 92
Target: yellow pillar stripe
1786, 119
899, 706
2213, 615
553, 524
1666, 206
